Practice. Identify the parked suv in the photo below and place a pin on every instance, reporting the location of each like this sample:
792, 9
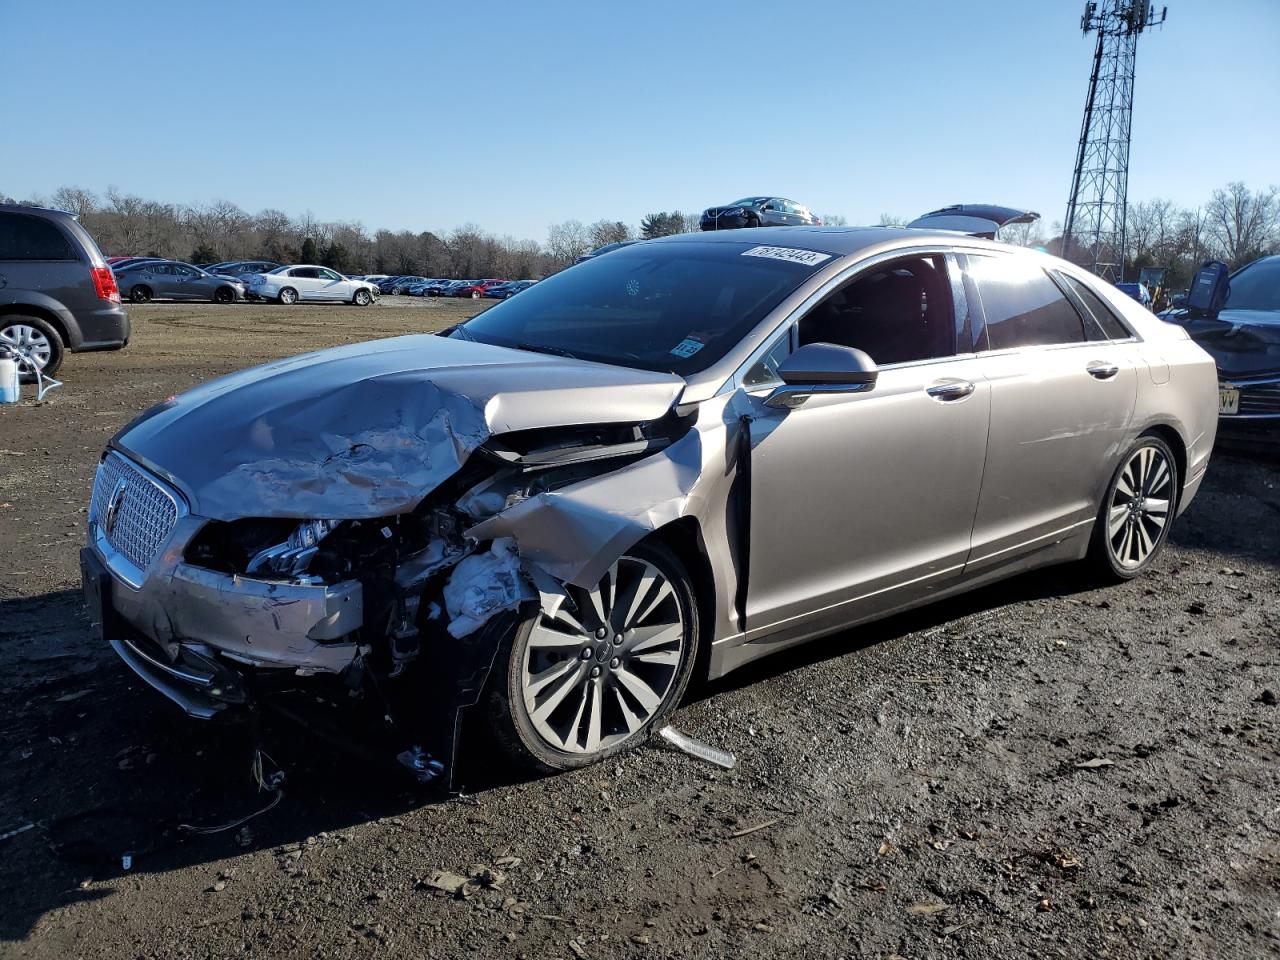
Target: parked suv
56, 291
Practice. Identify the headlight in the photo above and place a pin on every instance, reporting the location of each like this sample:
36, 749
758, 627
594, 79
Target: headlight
293, 556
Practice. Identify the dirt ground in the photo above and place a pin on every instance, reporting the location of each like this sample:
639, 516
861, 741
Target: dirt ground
1041, 769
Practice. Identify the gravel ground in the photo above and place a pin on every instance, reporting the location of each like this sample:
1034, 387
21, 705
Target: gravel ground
1038, 769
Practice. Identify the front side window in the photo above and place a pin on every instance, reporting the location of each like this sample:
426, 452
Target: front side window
896, 312
1022, 307
184, 271
24, 237
329, 275
674, 306
764, 372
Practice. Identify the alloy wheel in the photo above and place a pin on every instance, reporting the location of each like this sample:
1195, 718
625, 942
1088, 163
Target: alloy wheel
32, 347
1139, 509
600, 667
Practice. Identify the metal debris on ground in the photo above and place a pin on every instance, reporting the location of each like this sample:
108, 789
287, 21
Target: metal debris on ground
16, 830
421, 764
696, 748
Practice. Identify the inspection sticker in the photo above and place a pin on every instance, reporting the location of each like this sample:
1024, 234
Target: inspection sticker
687, 347
809, 258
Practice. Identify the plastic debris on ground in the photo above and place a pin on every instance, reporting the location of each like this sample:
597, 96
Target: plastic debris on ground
421, 764
696, 748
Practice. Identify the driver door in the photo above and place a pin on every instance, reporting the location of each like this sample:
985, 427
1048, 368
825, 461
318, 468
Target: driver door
861, 503
333, 286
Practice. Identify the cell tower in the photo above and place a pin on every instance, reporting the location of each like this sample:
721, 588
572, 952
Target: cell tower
1094, 232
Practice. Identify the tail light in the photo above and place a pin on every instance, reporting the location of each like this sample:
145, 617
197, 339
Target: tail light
104, 283
817, 221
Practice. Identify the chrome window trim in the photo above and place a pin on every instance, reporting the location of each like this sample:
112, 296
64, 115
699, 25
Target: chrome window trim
120, 565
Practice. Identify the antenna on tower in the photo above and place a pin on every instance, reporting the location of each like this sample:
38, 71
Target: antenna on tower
1095, 224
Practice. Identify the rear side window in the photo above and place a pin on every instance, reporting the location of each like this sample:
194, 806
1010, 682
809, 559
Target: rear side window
1109, 326
30, 238
1021, 305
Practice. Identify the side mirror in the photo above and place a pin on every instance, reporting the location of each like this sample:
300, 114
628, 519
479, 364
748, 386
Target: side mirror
822, 368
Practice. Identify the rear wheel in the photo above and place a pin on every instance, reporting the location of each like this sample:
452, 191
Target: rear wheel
141, 293
598, 675
287, 295
36, 343
362, 298
1137, 512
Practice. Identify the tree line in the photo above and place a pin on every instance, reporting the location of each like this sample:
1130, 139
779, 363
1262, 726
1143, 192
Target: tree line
1237, 224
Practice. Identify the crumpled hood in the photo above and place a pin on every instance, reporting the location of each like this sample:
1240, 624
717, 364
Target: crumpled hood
369, 429
1243, 343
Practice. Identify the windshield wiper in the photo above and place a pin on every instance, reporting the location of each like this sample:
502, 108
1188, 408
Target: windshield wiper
538, 348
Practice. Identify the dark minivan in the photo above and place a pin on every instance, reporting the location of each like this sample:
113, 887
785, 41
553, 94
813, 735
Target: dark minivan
56, 291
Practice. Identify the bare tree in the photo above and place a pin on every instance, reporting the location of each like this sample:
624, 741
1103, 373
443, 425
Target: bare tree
891, 220
566, 242
834, 220
1243, 223
608, 231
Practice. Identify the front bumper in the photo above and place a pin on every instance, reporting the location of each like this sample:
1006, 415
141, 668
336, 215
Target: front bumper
200, 637
724, 221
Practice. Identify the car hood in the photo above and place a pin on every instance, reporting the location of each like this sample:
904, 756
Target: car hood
1243, 343
369, 429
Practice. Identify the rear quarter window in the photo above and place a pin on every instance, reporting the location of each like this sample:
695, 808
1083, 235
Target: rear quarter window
25, 237
1108, 324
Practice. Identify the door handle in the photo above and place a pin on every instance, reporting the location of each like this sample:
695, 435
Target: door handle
949, 390
1102, 371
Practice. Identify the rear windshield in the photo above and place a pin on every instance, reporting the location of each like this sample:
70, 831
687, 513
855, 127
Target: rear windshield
24, 237
672, 306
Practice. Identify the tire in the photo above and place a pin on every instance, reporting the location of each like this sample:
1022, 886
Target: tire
362, 298
38, 344
140, 294
538, 676
224, 295
753, 221
287, 295
1136, 513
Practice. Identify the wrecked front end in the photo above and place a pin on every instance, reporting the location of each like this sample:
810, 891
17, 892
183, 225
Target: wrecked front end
214, 595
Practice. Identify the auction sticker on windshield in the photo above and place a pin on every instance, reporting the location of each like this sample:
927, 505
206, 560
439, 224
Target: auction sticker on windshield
808, 258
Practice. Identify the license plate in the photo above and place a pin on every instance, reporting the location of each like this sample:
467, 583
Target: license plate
1228, 401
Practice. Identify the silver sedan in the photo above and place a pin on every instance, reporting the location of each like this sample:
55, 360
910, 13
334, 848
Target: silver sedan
170, 280
665, 462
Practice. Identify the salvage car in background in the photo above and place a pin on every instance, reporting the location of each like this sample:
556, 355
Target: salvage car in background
758, 212
678, 457
306, 282
57, 294
975, 219
1244, 340
171, 280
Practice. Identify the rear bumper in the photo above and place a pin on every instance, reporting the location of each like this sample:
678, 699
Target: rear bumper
104, 328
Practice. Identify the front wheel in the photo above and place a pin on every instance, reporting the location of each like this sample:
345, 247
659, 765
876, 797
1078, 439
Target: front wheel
475, 294
598, 674
224, 295
362, 298
287, 296
1133, 523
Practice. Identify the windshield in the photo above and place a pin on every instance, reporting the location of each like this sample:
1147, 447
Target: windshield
748, 201
1256, 287
672, 306
278, 270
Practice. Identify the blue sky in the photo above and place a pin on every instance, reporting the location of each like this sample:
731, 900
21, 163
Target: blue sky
516, 115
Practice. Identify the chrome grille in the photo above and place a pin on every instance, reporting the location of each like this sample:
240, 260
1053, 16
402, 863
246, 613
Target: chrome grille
1264, 398
144, 516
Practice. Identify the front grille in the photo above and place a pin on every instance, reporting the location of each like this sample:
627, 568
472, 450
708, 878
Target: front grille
144, 515
1264, 398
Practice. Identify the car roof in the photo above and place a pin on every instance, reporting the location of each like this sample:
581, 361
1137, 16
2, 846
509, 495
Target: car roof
26, 208
838, 241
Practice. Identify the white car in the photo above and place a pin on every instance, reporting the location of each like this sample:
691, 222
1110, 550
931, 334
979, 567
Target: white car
307, 282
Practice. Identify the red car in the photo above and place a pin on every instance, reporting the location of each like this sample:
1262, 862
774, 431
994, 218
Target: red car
475, 290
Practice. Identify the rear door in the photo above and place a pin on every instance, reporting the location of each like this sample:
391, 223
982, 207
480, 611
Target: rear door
306, 280
1061, 402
